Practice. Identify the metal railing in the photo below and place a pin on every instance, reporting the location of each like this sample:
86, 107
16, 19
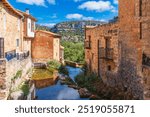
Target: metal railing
10, 55
20, 56
23, 55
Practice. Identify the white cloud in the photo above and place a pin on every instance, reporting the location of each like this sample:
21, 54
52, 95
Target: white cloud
98, 6
74, 16
51, 2
48, 24
37, 2
33, 2
115, 1
78, 16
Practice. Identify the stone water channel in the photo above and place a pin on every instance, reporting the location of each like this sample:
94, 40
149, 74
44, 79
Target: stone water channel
60, 92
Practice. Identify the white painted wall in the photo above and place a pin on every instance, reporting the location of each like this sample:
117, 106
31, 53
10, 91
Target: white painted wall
29, 33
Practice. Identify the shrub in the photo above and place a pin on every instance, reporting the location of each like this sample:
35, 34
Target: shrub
54, 64
18, 74
86, 81
80, 79
63, 70
25, 89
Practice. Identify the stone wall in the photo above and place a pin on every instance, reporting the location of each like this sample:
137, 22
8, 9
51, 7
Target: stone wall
15, 65
95, 58
9, 70
130, 43
12, 31
146, 81
2, 78
42, 47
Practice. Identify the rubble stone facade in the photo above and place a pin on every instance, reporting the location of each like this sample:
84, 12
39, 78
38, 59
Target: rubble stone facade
129, 65
45, 46
14, 50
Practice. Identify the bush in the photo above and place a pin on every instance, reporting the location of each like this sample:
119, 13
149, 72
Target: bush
25, 89
86, 81
18, 74
63, 70
74, 51
80, 79
54, 64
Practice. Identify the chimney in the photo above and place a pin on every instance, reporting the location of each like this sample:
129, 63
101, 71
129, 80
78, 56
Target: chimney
27, 11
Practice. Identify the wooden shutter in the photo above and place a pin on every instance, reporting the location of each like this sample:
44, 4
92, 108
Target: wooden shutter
1, 47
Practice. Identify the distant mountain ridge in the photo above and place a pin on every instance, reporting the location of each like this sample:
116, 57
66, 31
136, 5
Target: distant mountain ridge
73, 30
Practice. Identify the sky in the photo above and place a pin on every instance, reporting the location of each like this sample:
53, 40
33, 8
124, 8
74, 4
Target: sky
50, 12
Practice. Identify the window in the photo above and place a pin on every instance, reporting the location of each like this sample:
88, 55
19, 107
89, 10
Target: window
109, 68
140, 34
140, 7
108, 43
17, 42
29, 25
4, 22
88, 43
1, 47
32, 26
18, 24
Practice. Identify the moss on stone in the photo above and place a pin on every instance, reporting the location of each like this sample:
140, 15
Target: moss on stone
41, 74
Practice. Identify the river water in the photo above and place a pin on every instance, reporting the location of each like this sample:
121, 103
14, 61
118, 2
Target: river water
60, 92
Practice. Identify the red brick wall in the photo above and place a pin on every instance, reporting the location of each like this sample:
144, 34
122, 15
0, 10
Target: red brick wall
42, 46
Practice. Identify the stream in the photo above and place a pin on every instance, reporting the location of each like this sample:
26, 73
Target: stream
60, 92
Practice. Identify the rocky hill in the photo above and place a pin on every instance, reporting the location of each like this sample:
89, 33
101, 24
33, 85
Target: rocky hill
73, 30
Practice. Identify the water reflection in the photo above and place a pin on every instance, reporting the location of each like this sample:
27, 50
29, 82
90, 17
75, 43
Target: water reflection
60, 92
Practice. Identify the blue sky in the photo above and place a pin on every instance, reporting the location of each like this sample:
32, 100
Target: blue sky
50, 12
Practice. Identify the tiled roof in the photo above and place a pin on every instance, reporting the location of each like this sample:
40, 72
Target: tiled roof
48, 32
11, 8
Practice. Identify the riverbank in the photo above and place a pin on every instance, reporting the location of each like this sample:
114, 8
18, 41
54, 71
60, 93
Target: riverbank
60, 92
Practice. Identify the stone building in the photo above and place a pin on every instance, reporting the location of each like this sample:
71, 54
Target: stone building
46, 46
126, 61
14, 46
101, 48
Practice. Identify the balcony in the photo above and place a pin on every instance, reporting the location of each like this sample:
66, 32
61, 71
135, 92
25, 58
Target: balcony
20, 56
10, 55
87, 44
106, 53
23, 55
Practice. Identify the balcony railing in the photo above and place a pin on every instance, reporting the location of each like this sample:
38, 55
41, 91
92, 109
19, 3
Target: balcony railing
10, 55
146, 60
20, 56
106, 53
23, 55
87, 44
